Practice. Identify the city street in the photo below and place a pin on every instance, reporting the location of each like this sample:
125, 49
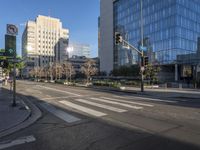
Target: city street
78, 118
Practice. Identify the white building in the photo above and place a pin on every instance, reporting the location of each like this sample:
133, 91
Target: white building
44, 41
79, 49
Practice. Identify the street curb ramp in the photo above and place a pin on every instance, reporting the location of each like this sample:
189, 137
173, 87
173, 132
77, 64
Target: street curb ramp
33, 116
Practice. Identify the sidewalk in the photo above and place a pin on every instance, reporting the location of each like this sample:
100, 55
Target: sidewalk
11, 117
157, 92
169, 92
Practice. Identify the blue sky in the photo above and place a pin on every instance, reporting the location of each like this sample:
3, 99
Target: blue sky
79, 16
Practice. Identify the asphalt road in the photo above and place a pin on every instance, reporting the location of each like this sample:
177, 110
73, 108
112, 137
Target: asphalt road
89, 119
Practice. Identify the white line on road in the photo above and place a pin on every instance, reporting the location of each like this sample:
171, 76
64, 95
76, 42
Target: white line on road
148, 99
54, 89
60, 114
19, 141
116, 103
84, 109
102, 106
52, 98
124, 101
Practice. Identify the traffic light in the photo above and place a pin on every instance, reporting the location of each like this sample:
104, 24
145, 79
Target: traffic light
118, 38
142, 61
146, 60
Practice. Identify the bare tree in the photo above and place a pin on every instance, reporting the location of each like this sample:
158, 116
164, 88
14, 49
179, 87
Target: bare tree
57, 70
89, 69
32, 73
35, 72
68, 70
46, 72
40, 72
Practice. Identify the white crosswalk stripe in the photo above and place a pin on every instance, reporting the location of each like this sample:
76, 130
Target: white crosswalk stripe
84, 109
102, 106
117, 103
60, 114
125, 101
146, 98
53, 89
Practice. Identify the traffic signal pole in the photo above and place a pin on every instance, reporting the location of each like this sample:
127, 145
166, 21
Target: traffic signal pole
142, 44
119, 39
141, 53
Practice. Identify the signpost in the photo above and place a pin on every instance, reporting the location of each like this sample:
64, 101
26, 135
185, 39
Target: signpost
10, 53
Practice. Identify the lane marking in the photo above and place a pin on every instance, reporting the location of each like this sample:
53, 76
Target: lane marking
84, 109
102, 106
64, 97
60, 114
19, 141
124, 101
116, 103
54, 89
51, 98
148, 99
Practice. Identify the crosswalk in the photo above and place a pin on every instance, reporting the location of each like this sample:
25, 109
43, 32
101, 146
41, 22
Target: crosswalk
83, 109
117, 103
96, 107
136, 103
147, 99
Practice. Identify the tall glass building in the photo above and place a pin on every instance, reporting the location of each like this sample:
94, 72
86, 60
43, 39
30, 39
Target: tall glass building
172, 28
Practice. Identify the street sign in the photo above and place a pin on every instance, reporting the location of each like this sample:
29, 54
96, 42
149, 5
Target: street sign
12, 29
10, 45
143, 48
10, 51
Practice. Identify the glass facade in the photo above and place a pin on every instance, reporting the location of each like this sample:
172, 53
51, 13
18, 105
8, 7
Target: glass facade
172, 27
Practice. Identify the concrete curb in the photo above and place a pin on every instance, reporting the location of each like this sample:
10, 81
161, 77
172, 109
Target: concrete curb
33, 116
113, 89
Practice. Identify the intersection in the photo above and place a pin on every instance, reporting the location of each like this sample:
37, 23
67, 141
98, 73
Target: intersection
87, 118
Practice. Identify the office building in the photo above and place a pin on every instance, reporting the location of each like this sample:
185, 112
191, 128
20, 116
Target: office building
171, 28
79, 49
44, 41
79, 61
